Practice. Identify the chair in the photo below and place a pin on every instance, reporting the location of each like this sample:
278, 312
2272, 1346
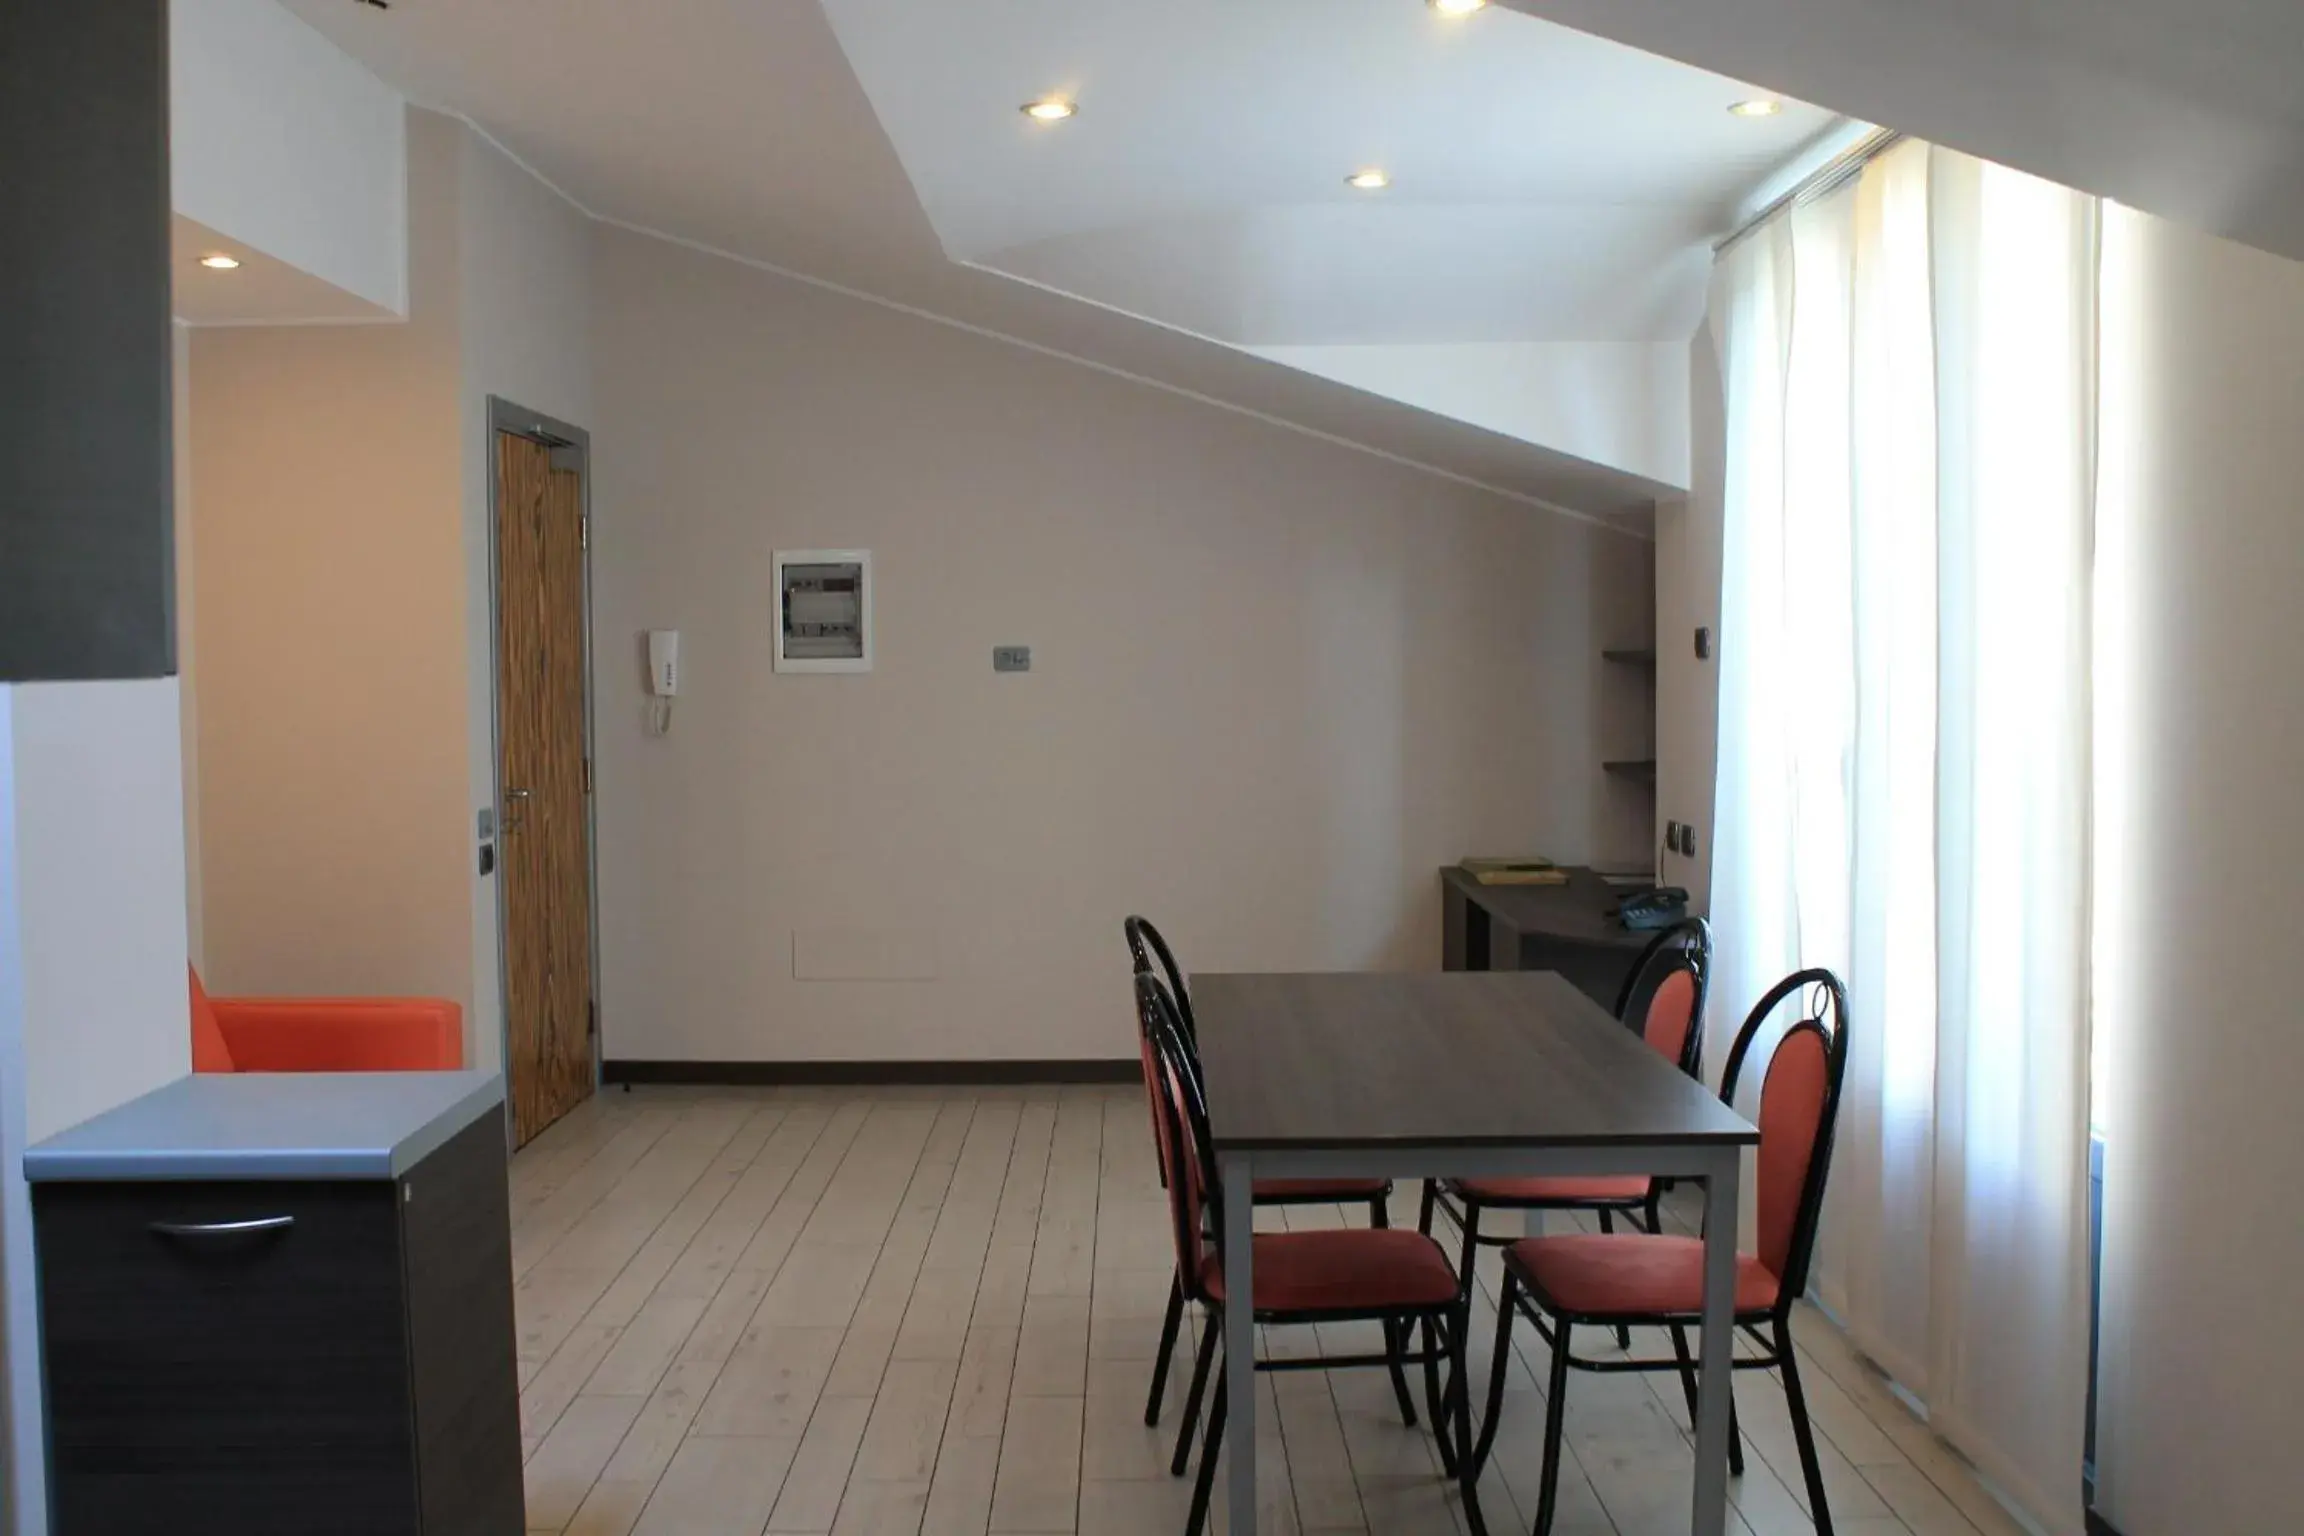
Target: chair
1648, 1280
338, 1034
1669, 982
1147, 948
1343, 1274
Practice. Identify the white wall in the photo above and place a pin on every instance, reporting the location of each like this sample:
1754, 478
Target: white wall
1275, 684
187, 671
526, 276
341, 597
280, 140
2204, 1258
93, 1009
1622, 404
329, 577
1688, 532
100, 875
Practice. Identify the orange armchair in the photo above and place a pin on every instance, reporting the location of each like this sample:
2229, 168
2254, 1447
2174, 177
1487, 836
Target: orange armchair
334, 1034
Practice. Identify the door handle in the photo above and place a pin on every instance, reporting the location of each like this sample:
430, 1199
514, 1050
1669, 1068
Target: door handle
514, 800
248, 1228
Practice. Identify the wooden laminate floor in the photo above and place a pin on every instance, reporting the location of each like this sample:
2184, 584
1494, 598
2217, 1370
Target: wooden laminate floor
923, 1312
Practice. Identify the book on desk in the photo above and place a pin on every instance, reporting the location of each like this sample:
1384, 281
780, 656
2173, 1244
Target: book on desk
1530, 870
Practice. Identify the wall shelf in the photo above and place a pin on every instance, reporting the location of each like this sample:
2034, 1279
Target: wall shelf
1641, 660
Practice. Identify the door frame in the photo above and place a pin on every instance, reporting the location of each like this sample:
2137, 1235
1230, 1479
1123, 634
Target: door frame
506, 417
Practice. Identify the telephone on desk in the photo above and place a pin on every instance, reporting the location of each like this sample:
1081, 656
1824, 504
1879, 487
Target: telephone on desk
1657, 907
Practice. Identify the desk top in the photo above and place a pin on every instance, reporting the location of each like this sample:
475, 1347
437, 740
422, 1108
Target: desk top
1578, 910
1449, 1058
270, 1125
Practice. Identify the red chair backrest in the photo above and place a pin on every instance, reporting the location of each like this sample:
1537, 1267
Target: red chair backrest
1794, 1098
1671, 1018
1671, 974
1152, 1069
1146, 948
1179, 1126
1799, 1111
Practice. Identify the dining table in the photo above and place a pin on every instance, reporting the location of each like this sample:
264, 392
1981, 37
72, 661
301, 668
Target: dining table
1455, 1074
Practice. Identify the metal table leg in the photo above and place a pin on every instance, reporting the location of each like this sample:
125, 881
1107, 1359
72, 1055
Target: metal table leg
1240, 1337
1718, 1344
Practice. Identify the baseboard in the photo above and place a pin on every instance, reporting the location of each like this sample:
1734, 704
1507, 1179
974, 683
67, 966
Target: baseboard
871, 1073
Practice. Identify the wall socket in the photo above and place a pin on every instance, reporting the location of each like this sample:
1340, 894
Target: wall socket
1680, 837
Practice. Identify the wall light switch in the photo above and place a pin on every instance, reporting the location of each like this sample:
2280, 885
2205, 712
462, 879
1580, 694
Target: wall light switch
1011, 658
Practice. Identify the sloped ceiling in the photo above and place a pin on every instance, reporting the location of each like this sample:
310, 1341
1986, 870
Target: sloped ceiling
2190, 109
262, 290
1546, 185
742, 128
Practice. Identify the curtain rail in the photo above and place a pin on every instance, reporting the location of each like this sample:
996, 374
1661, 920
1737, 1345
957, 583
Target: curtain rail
1827, 179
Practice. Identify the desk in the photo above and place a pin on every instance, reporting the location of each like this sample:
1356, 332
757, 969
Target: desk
1436, 1075
1565, 928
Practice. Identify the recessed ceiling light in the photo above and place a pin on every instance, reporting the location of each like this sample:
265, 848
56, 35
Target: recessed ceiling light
1758, 107
1456, 9
219, 262
1050, 109
1373, 179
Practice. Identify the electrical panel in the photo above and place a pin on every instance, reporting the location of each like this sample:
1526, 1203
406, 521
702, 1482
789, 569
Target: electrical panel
824, 610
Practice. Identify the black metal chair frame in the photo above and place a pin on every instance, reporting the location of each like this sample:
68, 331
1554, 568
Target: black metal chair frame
1776, 1344
1147, 948
1686, 945
1441, 1322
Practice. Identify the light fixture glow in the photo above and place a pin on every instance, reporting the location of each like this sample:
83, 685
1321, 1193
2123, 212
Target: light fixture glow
1456, 10
1373, 179
1758, 107
1050, 109
219, 262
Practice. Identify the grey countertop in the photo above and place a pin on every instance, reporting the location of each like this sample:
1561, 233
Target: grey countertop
271, 1125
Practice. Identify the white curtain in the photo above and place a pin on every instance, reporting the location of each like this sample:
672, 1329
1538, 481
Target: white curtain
1903, 789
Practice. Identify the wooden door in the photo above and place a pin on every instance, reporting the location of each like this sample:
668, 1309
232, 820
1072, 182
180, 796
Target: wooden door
542, 789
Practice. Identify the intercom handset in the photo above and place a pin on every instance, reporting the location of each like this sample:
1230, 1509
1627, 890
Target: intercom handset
663, 679
664, 663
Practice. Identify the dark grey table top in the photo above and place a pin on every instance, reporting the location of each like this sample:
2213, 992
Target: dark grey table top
271, 1125
1449, 1058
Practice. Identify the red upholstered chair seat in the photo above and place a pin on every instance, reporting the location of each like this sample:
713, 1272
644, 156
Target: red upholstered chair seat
1343, 1270
1593, 1189
329, 1034
1315, 1191
1593, 1275
211, 1052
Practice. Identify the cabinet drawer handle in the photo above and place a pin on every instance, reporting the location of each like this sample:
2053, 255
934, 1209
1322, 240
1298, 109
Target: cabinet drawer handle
223, 1228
